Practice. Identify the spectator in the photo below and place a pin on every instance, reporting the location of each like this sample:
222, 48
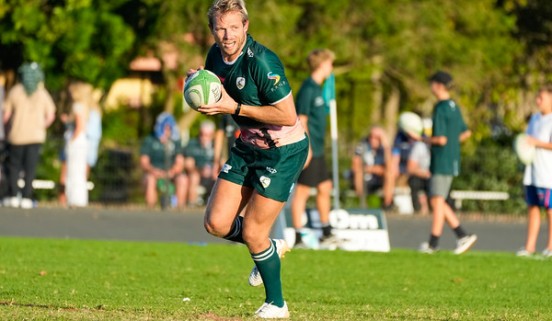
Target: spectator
369, 163
311, 109
402, 145
537, 180
93, 131
162, 161
2, 138
82, 94
228, 131
449, 130
418, 172
199, 163
30, 110
77, 144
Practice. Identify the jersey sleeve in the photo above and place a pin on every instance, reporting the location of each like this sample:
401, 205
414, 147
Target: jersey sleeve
463, 126
268, 74
439, 121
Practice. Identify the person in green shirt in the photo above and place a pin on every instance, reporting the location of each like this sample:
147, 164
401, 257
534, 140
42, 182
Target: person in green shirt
199, 163
161, 159
311, 109
449, 130
267, 158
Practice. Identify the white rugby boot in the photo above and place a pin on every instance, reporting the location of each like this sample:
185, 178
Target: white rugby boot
270, 311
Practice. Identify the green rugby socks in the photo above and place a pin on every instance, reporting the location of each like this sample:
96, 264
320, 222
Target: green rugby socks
268, 264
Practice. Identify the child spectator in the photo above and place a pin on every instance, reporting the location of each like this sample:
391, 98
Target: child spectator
538, 175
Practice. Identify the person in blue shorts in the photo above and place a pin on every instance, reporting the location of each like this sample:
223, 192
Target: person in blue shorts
537, 180
268, 156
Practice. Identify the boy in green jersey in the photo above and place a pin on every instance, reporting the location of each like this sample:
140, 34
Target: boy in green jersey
449, 130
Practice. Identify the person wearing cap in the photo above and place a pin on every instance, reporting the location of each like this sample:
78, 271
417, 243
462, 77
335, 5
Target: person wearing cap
199, 163
29, 110
162, 161
449, 130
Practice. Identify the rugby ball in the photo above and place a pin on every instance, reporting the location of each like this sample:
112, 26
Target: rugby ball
524, 151
410, 122
202, 88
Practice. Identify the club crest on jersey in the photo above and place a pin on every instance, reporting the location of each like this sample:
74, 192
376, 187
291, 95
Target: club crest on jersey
226, 168
265, 181
273, 76
240, 83
319, 102
249, 52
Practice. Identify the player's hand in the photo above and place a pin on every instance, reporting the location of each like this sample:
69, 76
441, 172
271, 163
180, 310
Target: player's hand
226, 105
192, 71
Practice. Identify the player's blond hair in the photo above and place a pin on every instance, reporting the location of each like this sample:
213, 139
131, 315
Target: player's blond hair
223, 6
319, 56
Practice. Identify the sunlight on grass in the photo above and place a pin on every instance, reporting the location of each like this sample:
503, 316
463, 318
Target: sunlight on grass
100, 280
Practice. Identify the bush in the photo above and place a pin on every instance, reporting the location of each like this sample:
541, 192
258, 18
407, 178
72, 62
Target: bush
492, 166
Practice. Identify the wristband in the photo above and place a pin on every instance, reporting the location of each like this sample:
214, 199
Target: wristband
237, 111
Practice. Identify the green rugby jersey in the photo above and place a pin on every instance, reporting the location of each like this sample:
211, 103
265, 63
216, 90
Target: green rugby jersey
255, 78
448, 122
309, 102
161, 156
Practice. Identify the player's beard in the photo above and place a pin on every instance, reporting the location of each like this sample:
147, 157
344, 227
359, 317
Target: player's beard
232, 52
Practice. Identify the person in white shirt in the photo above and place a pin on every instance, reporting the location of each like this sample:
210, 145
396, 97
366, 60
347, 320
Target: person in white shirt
537, 180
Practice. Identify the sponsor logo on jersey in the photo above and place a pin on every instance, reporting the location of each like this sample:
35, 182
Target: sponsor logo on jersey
240, 83
273, 76
226, 168
265, 181
271, 170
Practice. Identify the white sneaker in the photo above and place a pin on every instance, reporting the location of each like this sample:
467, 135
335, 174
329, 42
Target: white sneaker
465, 243
11, 201
255, 278
270, 311
330, 242
524, 253
26, 203
425, 248
547, 253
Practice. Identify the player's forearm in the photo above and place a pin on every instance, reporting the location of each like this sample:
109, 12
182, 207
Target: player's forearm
269, 114
438, 140
543, 145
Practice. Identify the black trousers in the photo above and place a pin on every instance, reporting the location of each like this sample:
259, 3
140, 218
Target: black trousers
418, 184
22, 159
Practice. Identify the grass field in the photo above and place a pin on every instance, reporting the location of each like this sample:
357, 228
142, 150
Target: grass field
98, 280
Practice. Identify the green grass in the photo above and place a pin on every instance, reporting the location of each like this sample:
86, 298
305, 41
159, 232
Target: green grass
98, 280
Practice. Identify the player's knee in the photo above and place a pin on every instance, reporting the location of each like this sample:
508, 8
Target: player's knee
214, 227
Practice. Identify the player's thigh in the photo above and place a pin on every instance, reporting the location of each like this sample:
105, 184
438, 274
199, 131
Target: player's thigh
225, 203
